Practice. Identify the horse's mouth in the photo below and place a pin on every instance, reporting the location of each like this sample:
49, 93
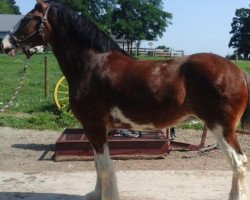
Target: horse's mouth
13, 52
11, 46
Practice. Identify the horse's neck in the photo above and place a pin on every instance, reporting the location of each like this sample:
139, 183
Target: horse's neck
72, 58
64, 59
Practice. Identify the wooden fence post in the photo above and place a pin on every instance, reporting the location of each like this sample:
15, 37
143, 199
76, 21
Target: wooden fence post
236, 57
46, 77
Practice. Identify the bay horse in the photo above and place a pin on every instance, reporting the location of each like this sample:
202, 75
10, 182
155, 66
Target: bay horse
110, 89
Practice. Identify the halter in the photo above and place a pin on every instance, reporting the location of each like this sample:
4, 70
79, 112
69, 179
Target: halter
40, 31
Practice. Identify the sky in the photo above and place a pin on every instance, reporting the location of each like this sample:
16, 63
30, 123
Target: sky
197, 25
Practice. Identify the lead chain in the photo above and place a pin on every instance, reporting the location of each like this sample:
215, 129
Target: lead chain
18, 88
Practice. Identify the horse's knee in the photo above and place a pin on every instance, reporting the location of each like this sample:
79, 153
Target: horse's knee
97, 137
102, 159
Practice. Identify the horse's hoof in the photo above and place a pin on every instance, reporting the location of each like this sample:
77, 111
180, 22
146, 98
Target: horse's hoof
92, 196
242, 196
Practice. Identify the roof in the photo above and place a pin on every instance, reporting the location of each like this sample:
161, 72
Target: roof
7, 21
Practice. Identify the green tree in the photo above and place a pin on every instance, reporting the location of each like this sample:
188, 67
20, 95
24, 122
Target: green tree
4, 8
98, 11
129, 19
139, 20
13, 6
9, 7
240, 39
77, 5
162, 47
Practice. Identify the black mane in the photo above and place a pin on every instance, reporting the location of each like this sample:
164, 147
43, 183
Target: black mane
81, 30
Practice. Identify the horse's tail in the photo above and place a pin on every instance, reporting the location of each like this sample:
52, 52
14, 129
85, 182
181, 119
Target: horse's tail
245, 119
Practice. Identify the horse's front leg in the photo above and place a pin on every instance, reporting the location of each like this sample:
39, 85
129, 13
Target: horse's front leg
106, 187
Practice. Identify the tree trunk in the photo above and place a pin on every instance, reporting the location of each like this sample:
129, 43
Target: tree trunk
131, 47
128, 50
138, 47
245, 56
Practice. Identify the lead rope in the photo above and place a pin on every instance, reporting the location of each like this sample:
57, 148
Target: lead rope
18, 88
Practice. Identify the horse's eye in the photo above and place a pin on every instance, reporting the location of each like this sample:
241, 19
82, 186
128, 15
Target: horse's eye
27, 18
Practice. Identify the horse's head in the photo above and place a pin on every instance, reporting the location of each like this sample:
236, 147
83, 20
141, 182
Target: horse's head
31, 31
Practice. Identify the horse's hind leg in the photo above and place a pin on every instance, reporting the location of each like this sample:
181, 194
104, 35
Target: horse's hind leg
106, 186
228, 142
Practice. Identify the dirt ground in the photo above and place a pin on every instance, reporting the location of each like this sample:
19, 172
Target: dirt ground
29, 150
28, 171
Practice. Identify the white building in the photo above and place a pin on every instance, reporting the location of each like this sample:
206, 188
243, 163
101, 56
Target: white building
7, 21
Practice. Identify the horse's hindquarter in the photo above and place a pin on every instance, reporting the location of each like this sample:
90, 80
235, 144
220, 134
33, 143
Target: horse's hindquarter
216, 89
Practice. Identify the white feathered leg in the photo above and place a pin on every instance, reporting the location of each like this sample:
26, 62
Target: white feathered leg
97, 193
107, 178
238, 163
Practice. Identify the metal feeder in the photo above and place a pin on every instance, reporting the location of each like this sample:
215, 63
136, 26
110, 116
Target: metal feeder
187, 146
74, 145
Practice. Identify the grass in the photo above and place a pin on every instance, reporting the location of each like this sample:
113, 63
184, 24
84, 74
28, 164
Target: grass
245, 65
31, 98
31, 109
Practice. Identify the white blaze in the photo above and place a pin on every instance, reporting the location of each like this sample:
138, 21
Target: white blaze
7, 42
7, 39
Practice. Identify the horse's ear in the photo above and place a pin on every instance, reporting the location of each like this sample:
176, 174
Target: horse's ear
42, 3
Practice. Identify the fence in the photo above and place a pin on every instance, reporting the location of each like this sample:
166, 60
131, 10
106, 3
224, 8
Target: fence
157, 52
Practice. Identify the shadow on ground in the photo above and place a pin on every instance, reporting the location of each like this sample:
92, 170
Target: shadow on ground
38, 196
38, 147
35, 147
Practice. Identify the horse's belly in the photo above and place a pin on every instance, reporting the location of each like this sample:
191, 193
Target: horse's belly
119, 120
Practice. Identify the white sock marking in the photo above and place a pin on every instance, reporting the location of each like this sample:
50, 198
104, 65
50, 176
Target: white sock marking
238, 163
104, 167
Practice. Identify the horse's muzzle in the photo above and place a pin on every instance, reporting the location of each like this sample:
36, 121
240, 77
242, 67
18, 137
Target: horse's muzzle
4, 50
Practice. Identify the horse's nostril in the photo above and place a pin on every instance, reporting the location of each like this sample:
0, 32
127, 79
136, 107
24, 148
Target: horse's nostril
1, 48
